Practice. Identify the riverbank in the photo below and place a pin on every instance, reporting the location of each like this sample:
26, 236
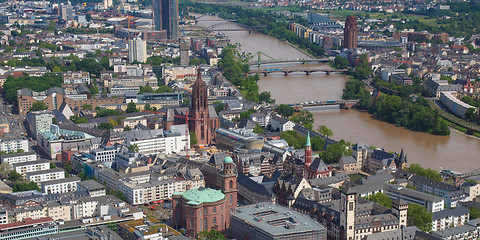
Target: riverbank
457, 151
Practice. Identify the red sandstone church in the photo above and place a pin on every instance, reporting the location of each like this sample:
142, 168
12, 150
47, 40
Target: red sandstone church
202, 119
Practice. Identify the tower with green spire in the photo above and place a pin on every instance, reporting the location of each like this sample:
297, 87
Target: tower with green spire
308, 152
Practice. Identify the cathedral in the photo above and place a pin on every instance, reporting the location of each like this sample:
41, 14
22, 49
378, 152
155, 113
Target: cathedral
202, 118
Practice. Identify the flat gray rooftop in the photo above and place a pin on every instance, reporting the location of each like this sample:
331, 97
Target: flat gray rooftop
276, 220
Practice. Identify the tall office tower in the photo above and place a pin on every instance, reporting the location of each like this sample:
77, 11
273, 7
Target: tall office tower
137, 50
165, 13
350, 32
184, 57
67, 12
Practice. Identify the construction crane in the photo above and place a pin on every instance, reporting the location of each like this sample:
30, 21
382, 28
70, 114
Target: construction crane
187, 119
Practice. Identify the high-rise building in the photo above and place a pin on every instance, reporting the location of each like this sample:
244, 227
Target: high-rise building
165, 13
137, 50
67, 12
350, 32
184, 57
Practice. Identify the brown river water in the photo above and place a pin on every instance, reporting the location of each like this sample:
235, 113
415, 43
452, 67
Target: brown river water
457, 152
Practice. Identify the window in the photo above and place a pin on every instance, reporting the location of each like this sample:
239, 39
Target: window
214, 220
231, 199
214, 209
191, 223
205, 211
205, 224
230, 184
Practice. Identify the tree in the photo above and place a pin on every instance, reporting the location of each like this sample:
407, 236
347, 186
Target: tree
193, 139
363, 69
258, 129
132, 107
340, 62
420, 217
381, 199
220, 107
210, 235
78, 120
247, 113
52, 165
305, 118
428, 173
127, 128
266, 97
105, 126
133, 148
87, 107
474, 213
335, 151
38, 106
471, 115
56, 69
325, 131
285, 110
318, 143
5, 169
14, 176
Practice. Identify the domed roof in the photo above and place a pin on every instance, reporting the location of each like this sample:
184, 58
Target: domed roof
228, 159
201, 195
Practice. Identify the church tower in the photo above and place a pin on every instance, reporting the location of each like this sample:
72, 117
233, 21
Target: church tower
228, 179
308, 155
348, 202
308, 152
199, 111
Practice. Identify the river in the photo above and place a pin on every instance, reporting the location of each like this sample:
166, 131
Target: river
457, 152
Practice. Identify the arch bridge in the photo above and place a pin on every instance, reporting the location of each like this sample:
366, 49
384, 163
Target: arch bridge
286, 72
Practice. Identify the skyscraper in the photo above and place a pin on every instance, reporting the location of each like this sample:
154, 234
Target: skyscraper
165, 13
137, 50
350, 32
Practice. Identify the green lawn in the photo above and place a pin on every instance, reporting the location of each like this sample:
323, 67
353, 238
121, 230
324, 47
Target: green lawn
355, 177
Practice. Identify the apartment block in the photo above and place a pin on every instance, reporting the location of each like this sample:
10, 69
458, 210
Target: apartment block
13, 158
33, 166
45, 175
62, 185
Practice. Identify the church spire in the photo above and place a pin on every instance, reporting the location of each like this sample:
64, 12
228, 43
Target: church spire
308, 140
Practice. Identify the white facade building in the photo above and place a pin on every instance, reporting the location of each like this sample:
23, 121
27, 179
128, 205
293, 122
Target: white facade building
63, 185
14, 158
46, 175
13, 145
33, 166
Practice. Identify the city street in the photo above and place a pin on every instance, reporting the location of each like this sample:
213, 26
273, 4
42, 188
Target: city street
17, 127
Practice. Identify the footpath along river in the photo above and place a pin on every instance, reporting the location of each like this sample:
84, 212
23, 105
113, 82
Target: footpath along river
457, 152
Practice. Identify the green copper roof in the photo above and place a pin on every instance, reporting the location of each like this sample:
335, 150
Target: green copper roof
198, 196
308, 139
228, 159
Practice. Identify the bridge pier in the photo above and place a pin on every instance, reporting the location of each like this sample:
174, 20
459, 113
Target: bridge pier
307, 72
286, 73
265, 74
328, 72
